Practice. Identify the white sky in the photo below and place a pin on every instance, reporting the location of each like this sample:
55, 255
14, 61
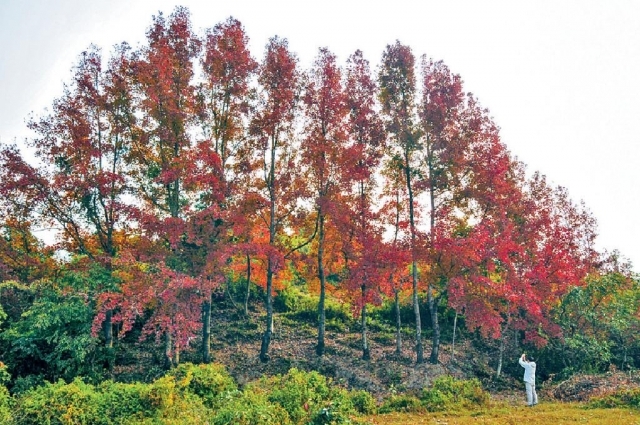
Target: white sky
561, 78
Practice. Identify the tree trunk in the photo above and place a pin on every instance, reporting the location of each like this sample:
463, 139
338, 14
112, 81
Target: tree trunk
321, 276
176, 356
248, 288
108, 329
398, 325
453, 340
168, 358
266, 338
416, 312
414, 264
433, 310
366, 352
500, 356
206, 330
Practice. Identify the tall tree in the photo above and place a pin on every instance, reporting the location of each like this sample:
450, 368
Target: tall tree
397, 95
161, 156
80, 182
445, 150
323, 154
223, 100
272, 130
365, 131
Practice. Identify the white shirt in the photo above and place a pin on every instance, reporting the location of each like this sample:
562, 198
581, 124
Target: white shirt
529, 371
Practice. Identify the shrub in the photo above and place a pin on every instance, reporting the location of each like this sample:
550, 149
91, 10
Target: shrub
620, 398
401, 403
121, 403
363, 402
307, 397
304, 306
23, 384
208, 381
172, 402
448, 392
59, 403
6, 405
250, 408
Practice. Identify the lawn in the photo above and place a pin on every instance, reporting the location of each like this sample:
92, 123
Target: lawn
547, 413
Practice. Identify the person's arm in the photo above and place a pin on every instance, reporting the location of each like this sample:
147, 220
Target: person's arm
522, 361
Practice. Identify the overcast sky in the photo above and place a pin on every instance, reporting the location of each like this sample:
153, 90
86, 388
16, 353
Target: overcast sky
561, 78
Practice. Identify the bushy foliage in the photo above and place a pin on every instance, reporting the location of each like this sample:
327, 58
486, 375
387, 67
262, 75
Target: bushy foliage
58, 403
168, 400
210, 382
600, 325
6, 405
363, 402
401, 403
251, 407
307, 397
53, 336
448, 392
190, 394
172, 402
124, 403
621, 398
301, 305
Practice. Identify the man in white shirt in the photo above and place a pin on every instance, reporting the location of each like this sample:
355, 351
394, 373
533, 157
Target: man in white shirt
529, 379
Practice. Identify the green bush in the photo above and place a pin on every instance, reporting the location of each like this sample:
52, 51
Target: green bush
59, 403
23, 384
621, 398
208, 381
303, 306
6, 405
401, 403
250, 408
173, 403
307, 397
448, 392
436, 401
363, 402
53, 336
170, 399
121, 403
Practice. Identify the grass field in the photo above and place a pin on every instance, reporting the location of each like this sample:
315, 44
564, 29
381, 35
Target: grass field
548, 413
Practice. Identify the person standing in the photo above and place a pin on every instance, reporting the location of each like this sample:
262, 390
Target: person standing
529, 379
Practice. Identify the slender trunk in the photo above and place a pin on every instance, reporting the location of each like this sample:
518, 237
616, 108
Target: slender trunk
176, 356
453, 340
414, 265
168, 351
248, 288
321, 276
107, 325
108, 340
270, 181
433, 310
206, 330
503, 336
108, 329
398, 324
433, 303
266, 338
500, 356
366, 352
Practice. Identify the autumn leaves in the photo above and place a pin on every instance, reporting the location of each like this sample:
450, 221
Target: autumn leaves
186, 161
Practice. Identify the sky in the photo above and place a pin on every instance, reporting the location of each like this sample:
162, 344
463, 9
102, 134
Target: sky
560, 77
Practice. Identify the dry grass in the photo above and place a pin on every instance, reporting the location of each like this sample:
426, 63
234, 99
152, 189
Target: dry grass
501, 414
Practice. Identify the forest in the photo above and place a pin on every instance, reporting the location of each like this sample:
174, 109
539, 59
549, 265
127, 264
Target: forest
187, 188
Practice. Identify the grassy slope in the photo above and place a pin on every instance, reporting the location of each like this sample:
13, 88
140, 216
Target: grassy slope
546, 413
